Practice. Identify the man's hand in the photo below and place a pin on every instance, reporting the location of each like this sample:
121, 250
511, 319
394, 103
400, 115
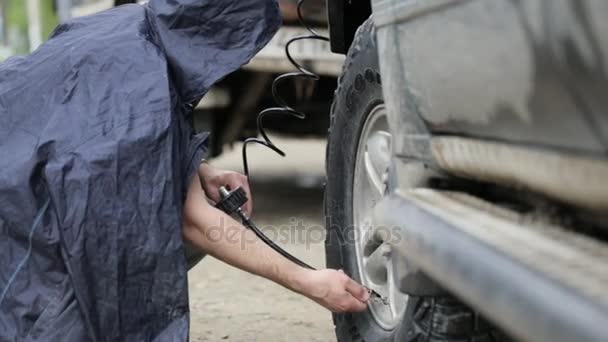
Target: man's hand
214, 232
212, 179
334, 290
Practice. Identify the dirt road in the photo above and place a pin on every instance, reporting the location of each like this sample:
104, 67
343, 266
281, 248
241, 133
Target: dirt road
228, 304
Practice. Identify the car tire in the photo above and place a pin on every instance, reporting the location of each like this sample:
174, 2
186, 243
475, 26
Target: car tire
437, 318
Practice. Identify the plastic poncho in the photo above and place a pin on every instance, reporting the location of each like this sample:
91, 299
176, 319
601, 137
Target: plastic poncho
96, 151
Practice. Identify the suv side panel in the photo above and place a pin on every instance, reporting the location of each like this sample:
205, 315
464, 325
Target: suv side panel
529, 72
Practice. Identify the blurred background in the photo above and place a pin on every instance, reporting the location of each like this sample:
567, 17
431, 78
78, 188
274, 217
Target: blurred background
24, 23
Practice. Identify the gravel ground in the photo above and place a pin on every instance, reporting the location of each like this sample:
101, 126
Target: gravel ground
228, 304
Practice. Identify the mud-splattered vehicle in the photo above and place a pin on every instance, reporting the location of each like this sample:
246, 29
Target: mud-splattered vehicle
467, 168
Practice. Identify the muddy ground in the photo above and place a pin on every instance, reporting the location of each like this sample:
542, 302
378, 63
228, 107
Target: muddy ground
228, 304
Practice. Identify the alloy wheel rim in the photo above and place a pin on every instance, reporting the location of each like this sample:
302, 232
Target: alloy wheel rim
374, 259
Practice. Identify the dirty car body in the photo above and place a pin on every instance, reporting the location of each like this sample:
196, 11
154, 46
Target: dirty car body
497, 116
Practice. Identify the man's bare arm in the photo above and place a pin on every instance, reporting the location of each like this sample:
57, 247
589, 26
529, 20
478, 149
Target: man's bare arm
224, 238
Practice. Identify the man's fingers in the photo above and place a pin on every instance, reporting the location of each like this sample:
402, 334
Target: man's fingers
358, 306
249, 205
237, 180
357, 290
241, 181
352, 304
213, 195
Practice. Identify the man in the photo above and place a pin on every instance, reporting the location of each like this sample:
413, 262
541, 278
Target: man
98, 184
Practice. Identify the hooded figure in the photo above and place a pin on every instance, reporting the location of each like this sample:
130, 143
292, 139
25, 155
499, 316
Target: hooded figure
96, 151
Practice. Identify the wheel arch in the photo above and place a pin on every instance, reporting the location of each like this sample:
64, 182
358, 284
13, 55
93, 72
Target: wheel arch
124, 2
345, 17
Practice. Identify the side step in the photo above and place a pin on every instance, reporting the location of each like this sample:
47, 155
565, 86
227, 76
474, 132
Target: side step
537, 281
572, 178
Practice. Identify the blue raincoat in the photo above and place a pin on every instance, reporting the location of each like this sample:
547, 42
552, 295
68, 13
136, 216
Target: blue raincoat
96, 151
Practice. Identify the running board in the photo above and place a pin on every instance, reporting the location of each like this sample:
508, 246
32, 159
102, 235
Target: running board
571, 178
538, 282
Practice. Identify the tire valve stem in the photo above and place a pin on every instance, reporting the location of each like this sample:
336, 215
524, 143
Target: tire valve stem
376, 297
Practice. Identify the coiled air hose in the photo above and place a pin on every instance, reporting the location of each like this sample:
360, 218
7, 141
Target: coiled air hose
282, 109
234, 199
